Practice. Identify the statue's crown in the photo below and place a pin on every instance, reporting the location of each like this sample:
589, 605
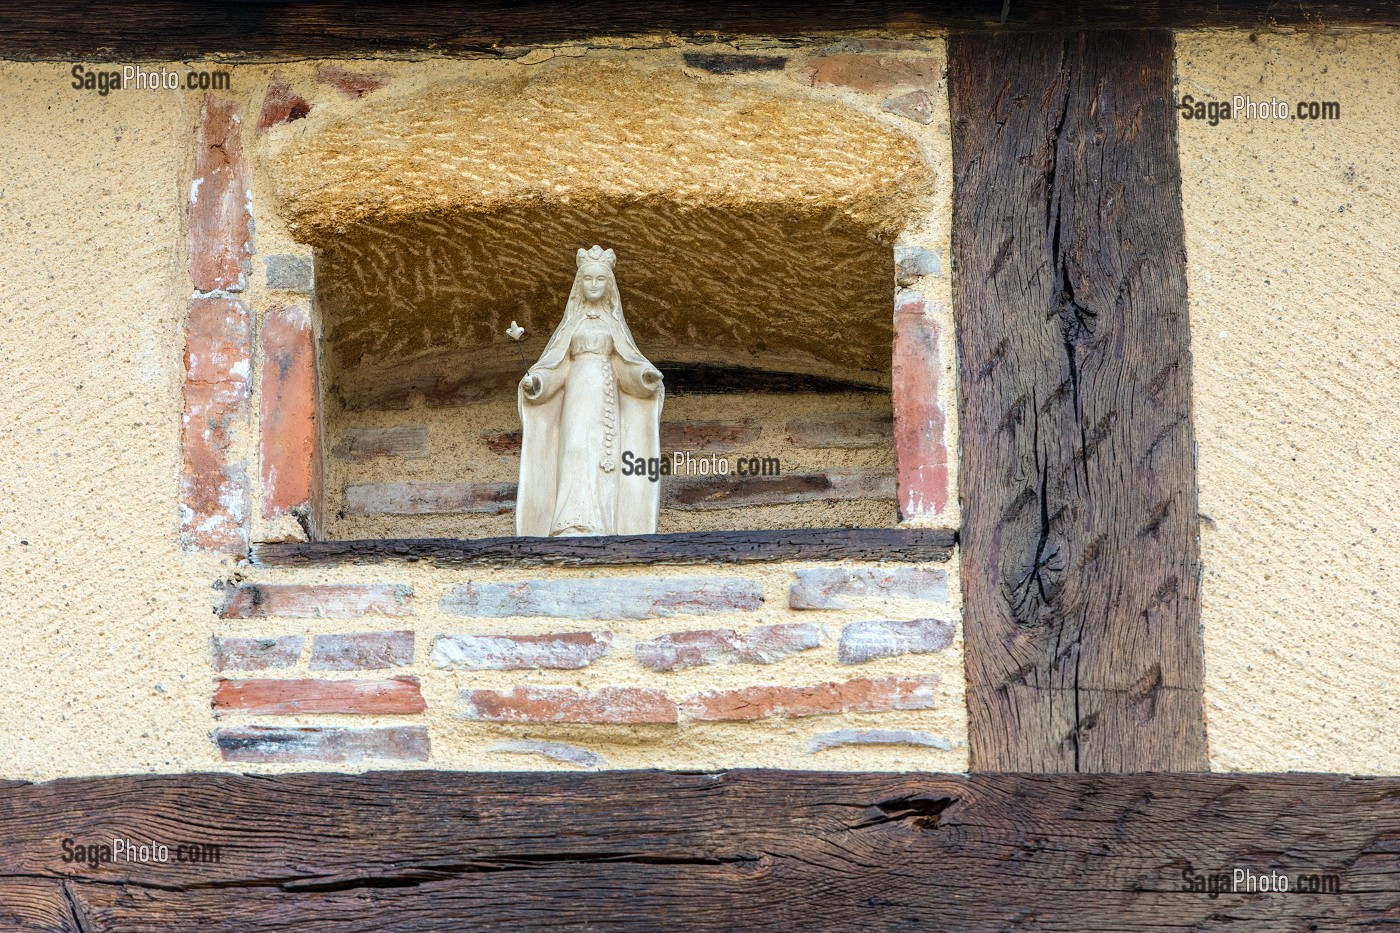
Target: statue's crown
597, 254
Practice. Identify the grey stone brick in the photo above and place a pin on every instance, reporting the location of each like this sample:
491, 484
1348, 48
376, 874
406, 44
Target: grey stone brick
606, 598
866, 641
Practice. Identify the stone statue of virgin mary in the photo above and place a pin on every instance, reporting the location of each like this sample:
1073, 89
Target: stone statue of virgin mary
591, 397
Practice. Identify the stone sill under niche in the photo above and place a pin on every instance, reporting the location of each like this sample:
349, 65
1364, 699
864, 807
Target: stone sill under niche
908, 545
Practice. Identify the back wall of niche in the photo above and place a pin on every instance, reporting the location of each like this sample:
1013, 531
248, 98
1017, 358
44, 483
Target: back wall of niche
755, 229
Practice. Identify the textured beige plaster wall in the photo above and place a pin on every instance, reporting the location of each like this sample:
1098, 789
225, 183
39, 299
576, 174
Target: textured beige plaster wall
102, 668
104, 663
1293, 245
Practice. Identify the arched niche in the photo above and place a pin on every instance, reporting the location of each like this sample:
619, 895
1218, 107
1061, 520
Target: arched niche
754, 224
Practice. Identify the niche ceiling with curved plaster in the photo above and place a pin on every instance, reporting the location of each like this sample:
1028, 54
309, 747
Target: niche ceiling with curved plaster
753, 222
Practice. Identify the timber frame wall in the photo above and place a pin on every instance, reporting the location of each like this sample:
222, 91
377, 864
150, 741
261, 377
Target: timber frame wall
1081, 574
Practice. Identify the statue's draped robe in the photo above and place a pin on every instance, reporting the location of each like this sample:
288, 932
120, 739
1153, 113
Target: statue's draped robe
589, 410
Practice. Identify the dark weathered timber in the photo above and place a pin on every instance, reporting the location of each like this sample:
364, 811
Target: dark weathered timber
710, 379
113, 31
742, 850
688, 547
722, 64
1080, 562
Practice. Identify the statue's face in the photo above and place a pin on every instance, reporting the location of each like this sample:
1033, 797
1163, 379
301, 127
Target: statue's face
594, 280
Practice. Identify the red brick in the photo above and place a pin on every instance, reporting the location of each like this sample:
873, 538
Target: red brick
220, 218
562, 651
331, 601
264, 744
570, 704
290, 417
351, 83
919, 418
281, 104
362, 651
872, 73
256, 654
268, 697
862, 695
213, 488
763, 645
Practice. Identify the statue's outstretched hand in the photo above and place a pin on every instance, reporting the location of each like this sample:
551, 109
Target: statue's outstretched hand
531, 385
651, 380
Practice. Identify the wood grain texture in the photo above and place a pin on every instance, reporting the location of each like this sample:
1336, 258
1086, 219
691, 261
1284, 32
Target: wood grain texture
688, 547
110, 31
742, 850
1080, 561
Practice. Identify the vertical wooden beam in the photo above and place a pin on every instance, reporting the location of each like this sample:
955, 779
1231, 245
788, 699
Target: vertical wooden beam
1079, 550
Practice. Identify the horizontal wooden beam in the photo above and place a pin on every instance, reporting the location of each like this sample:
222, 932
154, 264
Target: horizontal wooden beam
106, 30
740, 850
688, 547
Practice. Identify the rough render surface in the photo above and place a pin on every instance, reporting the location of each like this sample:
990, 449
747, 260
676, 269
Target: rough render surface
1292, 232
106, 667
753, 217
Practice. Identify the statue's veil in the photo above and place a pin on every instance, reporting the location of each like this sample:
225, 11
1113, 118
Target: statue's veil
575, 312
